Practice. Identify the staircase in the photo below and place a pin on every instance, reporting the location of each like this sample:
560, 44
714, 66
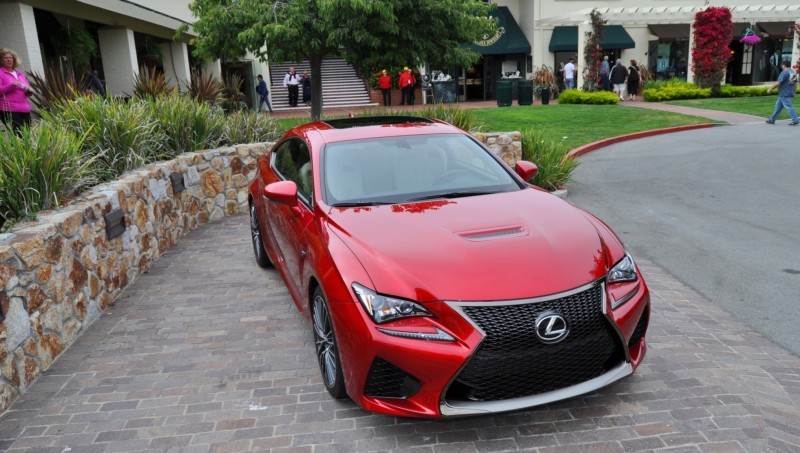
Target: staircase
340, 85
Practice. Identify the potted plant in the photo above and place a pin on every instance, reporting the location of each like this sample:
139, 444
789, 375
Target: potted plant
545, 83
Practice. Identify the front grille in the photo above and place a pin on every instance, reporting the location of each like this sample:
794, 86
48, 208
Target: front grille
387, 381
511, 362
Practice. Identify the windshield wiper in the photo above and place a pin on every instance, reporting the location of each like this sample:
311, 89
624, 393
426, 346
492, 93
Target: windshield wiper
457, 194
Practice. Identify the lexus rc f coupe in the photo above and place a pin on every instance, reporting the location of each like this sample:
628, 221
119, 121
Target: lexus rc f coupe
438, 282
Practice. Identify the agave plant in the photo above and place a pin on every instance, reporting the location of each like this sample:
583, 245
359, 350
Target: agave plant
151, 83
55, 86
234, 98
204, 87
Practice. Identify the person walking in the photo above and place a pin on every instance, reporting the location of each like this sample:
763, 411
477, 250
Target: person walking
292, 83
604, 68
385, 84
633, 80
407, 82
263, 94
15, 110
306, 81
786, 85
618, 76
569, 74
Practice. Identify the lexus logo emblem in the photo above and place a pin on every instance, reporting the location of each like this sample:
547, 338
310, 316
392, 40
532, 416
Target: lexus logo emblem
551, 328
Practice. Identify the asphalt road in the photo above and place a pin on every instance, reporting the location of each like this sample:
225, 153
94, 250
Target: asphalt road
718, 208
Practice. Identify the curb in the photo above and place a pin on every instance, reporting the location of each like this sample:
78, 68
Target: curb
581, 150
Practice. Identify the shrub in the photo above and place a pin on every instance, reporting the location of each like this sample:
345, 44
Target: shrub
39, 168
123, 135
206, 88
188, 125
151, 83
674, 89
54, 87
730, 91
233, 98
249, 127
550, 155
586, 97
458, 117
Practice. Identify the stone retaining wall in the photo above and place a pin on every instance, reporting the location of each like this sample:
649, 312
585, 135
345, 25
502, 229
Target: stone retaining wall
59, 273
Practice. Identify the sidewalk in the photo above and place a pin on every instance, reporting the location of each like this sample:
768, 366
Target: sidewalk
207, 352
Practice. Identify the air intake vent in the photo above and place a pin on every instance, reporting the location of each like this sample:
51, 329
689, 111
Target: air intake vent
493, 234
387, 381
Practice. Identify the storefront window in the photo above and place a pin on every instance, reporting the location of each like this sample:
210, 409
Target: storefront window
769, 54
668, 59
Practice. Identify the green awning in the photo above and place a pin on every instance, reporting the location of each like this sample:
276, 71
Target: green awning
508, 37
565, 38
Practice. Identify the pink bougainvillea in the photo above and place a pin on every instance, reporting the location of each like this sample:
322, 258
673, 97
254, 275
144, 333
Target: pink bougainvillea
713, 31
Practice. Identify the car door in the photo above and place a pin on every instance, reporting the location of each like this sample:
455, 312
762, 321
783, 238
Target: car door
291, 161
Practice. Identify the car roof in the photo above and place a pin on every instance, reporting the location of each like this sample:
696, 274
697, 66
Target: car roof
375, 127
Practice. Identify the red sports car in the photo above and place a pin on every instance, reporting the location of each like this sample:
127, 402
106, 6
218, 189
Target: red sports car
438, 282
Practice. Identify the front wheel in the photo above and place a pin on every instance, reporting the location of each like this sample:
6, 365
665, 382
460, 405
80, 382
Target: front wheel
258, 244
325, 344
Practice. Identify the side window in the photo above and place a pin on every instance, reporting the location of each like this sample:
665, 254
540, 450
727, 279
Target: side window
293, 162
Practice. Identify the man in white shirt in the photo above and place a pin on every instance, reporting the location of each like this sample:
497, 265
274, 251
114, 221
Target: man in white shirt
569, 74
292, 83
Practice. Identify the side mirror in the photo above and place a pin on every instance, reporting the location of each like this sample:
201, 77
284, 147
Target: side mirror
283, 192
526, 170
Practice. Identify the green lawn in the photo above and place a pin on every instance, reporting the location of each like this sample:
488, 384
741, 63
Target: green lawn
576, 124
580, 124
759, 106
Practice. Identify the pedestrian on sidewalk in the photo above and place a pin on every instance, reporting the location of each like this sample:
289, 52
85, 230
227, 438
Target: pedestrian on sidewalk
292, 83
263, 94
407, 83
633, 80
385, 84
618, 76
604, 68
569, 74
786, 85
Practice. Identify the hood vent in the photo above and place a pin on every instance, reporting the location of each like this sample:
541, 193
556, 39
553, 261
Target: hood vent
494, 233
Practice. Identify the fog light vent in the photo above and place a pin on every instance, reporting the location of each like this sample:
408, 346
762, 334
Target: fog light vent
387, 381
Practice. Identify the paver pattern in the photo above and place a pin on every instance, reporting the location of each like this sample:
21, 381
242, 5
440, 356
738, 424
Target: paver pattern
207, 352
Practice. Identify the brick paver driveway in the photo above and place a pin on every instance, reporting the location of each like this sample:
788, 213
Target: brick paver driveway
208, 353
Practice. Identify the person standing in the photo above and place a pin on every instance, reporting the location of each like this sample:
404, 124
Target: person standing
292, 83
604, 67
618, 76
407, 83
786, 85
306, 87
385, 84
569, 74
633, 80
15, 110
263, 94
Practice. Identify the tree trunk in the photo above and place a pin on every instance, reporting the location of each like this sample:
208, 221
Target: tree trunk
315, 61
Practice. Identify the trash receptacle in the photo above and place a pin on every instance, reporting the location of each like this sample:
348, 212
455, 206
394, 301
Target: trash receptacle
503, 91
525, 92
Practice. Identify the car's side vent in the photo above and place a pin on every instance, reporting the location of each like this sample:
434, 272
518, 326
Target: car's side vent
387, 381
639, 331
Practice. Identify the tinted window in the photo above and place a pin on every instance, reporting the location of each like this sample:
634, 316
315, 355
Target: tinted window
399, 169
292, 161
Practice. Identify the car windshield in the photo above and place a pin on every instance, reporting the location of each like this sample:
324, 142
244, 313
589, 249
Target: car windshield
412, 168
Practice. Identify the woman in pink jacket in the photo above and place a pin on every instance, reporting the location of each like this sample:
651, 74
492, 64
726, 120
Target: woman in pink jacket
15, 110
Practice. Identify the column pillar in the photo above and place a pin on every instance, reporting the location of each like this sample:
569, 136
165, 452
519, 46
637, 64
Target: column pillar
580, 65
18, 33
176, 64
214, 68
689, 71
120, 64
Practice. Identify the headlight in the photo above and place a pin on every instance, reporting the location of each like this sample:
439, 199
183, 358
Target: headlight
384, 308
623, 271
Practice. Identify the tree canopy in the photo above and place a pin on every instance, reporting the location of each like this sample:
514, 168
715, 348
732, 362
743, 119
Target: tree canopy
367, 33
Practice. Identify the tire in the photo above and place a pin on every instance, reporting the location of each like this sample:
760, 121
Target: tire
326, 348
258, 244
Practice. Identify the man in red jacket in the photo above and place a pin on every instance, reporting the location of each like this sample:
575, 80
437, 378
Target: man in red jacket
407, 82
385, 84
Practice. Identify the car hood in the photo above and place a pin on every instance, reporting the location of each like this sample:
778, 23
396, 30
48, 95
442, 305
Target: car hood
509, 245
